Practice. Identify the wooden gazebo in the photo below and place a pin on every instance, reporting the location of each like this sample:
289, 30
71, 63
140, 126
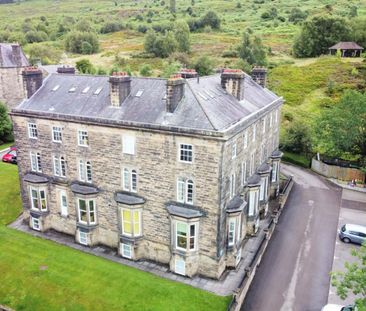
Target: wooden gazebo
347, 49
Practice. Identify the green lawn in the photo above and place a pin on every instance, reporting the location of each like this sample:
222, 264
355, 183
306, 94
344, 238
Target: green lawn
37, 274
6, 145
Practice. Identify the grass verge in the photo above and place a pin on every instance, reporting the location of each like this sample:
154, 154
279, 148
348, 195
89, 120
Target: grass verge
297, 159
37, 274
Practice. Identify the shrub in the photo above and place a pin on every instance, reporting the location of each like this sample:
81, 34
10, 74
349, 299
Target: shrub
211, 19
85, 66
145, 70
36, 36
204, 65
111, 27
6, 128
45, 52
75, 42
297, 15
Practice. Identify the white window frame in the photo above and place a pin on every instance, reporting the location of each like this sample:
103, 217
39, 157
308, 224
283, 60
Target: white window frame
127, 254
36, 163
252, 163
129, 179
185, 190
233, 151
88, 213
254, 132
188, 236
57, 134
36, 224
32, 130
274, 171
270, 119
185, 153
243, 173
38, 198
262, 189
180, 266
83, 238
85, 171
132, 222
83, 138
231, 239
245, 139
128, 144
63, 207
253, 202
264, 125
232, 189
59, 166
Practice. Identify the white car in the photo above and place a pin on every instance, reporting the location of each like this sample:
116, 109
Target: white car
332, 307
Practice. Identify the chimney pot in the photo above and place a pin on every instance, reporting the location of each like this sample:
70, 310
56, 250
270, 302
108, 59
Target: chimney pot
232, 80
188, 73
174, 92
259, 75
66, 70
120, 87
32, 80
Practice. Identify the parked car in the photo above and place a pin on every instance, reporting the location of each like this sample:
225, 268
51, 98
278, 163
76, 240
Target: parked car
332, 307
352, 233
10, 156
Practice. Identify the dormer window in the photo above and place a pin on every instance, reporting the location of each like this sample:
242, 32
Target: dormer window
55, 88
86, 90
97, 91
139, 93
72, 89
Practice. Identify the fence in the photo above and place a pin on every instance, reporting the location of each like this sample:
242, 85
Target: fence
337, 172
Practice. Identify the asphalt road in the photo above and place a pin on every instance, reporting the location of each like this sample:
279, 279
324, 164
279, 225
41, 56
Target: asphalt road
294, 272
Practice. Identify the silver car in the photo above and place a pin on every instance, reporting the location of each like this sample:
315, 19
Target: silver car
352, 233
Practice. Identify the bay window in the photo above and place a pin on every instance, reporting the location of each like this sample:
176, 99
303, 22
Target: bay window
38, 199
87, 211
253, 202
131, 222
186, 236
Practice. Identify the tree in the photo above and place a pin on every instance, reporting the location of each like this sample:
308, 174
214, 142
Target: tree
204, 66
296, 15
253, 52
85, 66
172, 6
6, 127
145, 70
160, 45
211, 19
353, 279
182, 36
297, 138
75, 42
358, 26
318, 34
341, 129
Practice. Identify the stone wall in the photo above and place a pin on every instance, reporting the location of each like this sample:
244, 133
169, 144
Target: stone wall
11, 86
156, 161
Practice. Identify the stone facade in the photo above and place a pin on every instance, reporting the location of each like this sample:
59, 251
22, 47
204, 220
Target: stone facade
12, 63
203, 234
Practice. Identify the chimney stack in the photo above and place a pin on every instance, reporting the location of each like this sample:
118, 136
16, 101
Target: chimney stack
188, 73
120, 88
66, 70
17, 57
259, 75
232, 80
174, 92
32, 80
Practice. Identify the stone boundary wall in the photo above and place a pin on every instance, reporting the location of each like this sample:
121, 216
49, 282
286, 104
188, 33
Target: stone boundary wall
241, 291
337, 172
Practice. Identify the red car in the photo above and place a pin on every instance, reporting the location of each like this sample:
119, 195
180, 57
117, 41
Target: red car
10, 156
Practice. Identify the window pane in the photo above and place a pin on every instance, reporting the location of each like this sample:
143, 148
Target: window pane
182, 235
127, 228
181, 229
88, 172
42, 194
34, 199
134, 180
190, 191
180, 190
63, 166
182, 241
39, 165
192, 239
126, 180
56, 166
128, 144
81, 170
136, 223
82, 210
186, 153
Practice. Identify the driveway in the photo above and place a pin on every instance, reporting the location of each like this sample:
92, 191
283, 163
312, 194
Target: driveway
294, 272
353, 210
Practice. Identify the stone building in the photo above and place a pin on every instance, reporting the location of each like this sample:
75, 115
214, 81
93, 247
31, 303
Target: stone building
176, 171
12, 63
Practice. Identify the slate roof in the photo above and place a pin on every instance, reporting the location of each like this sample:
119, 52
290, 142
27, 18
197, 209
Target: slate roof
185, 211
129, 199
83, 189
35, 179
205, 105
346, 46
7, 57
